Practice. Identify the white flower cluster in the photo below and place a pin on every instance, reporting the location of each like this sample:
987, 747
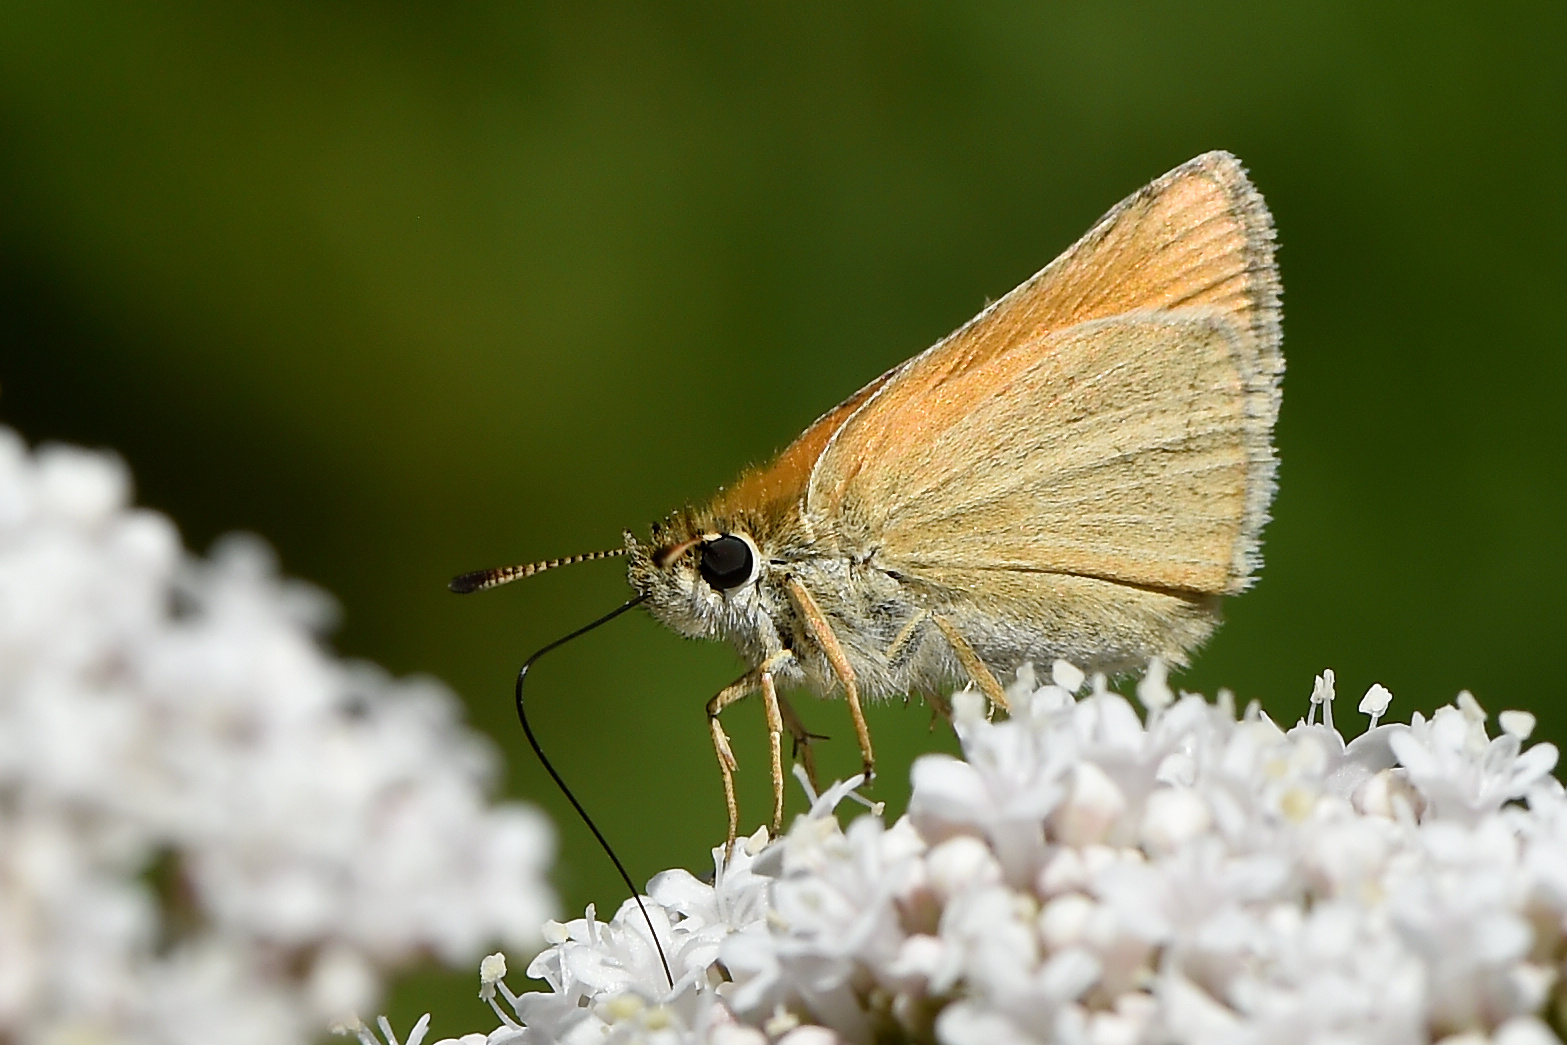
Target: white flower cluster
212, 830
1092, 877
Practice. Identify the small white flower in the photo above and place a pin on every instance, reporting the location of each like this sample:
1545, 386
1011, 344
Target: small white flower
1460, 771
1068, 676
491, 971
1322, 694
1518, 723
1375, 702
1153, 690
1470, 707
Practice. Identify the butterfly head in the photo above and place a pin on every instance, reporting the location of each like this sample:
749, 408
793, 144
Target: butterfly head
701, 578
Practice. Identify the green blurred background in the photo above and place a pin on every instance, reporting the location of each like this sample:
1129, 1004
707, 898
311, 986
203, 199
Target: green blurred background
412, 289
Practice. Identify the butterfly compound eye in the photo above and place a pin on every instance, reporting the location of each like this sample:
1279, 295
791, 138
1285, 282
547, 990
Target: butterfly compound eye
726, 562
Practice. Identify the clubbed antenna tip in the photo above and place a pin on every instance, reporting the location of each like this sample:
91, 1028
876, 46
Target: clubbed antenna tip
476, 581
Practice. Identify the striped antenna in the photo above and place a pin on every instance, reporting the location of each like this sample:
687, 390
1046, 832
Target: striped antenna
481, 580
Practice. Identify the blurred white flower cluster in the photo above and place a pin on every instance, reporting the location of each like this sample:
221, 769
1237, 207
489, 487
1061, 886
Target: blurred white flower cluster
212, 830
1092, 877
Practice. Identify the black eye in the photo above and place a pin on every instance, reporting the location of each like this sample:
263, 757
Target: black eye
726, 562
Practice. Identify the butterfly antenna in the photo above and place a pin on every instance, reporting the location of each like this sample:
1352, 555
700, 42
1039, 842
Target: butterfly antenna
482, 580
522, 716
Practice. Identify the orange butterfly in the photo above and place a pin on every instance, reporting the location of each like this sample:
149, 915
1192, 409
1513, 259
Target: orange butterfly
1081, 472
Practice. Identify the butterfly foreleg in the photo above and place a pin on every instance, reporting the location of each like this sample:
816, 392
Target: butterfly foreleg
759, 678
816, 623
982, 676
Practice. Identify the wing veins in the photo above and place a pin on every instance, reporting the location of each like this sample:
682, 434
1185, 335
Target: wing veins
1163, 589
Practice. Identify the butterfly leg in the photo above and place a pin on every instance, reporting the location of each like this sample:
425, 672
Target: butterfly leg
775, 746
802, 737
761, 678
740, 687
821, 631
907, 640
904, 646
982, 676
940, 710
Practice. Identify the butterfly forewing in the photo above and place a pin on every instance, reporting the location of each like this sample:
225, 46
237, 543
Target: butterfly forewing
1108, 419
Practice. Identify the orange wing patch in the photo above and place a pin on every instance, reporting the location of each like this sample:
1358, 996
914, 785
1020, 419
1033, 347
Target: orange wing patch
1195, 243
